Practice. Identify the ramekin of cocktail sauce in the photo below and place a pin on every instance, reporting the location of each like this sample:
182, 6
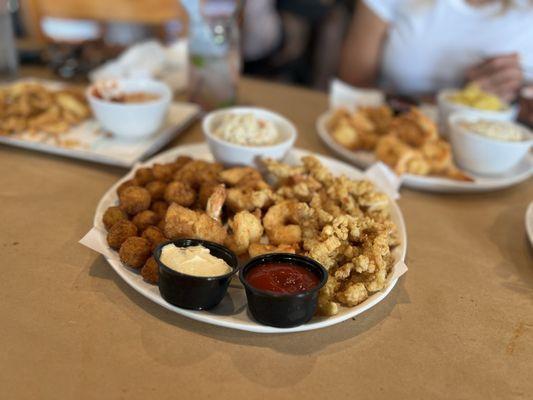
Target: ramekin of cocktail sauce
282, 289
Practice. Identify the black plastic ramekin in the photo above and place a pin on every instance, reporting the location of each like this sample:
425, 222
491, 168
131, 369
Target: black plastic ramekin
279, 309
195, 292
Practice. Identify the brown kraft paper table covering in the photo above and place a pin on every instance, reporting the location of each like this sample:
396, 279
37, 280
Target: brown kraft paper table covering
458, 325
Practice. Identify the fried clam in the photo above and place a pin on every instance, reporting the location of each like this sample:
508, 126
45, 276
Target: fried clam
345, 226
245, 229
135, 251
281, 223
134, 199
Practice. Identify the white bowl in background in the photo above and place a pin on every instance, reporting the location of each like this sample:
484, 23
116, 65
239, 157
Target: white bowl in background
446, 108
235, 154
132, 120
484, 155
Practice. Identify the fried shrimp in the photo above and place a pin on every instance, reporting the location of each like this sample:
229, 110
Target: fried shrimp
281, 223
182, 222
248, 199
215, 202
245, 229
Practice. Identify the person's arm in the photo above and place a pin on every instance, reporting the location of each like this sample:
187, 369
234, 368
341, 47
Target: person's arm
362, 48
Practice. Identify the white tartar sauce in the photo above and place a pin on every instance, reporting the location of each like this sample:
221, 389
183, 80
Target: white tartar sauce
193, 260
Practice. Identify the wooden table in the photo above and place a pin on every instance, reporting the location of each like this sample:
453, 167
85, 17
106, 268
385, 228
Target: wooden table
459, 324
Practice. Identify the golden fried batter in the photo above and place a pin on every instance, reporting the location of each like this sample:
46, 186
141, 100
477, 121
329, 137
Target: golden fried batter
150, 271
156, 189
134, 199
144, 219
135, 251
180, 193
154, 235
112, 215
119, 232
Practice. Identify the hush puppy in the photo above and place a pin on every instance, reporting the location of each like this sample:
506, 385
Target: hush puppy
154, 235
135, 251
126, 184
156, 189
144, 219
112, 215
181, 161
134, 199
150, 271
119, 232
163, 172
160, 208
181, 193
143, 176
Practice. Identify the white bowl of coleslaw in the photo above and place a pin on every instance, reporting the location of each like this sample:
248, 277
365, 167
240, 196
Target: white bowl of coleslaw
242, 135
488, 146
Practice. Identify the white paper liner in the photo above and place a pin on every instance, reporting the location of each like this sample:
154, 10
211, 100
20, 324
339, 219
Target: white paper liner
343, 95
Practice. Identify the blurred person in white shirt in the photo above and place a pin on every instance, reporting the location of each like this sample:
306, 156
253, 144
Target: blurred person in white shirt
420, 46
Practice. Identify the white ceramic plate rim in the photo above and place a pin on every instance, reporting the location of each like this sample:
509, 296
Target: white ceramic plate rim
529, 222
134, 280
364, 159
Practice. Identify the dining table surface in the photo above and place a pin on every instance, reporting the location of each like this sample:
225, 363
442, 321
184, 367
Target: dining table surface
457, 325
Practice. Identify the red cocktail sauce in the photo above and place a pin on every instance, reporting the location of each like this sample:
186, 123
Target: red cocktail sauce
283, 278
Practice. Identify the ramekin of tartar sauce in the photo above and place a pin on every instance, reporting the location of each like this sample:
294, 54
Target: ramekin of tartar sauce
488, 146
194, 273
240, 135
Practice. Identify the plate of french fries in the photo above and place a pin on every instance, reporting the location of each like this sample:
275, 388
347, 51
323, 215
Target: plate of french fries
52, 117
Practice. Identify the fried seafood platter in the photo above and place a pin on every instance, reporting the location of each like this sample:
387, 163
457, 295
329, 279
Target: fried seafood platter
310, 205
409, 143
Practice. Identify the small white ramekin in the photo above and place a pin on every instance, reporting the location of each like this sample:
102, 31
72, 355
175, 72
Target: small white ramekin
234, 154
132, 120
447, 108
483, 155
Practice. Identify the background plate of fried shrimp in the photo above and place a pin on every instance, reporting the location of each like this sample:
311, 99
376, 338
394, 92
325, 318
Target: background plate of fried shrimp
411, 146
308, 204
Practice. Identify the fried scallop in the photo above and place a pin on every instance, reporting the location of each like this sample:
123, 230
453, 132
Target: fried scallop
113, 215
156, 189
180, 193
150, 271
135, 251
144, 219
119, 232
134, 199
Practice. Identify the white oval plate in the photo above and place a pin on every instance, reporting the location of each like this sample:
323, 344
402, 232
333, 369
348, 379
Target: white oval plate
529, 223
364, 159
232, 311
